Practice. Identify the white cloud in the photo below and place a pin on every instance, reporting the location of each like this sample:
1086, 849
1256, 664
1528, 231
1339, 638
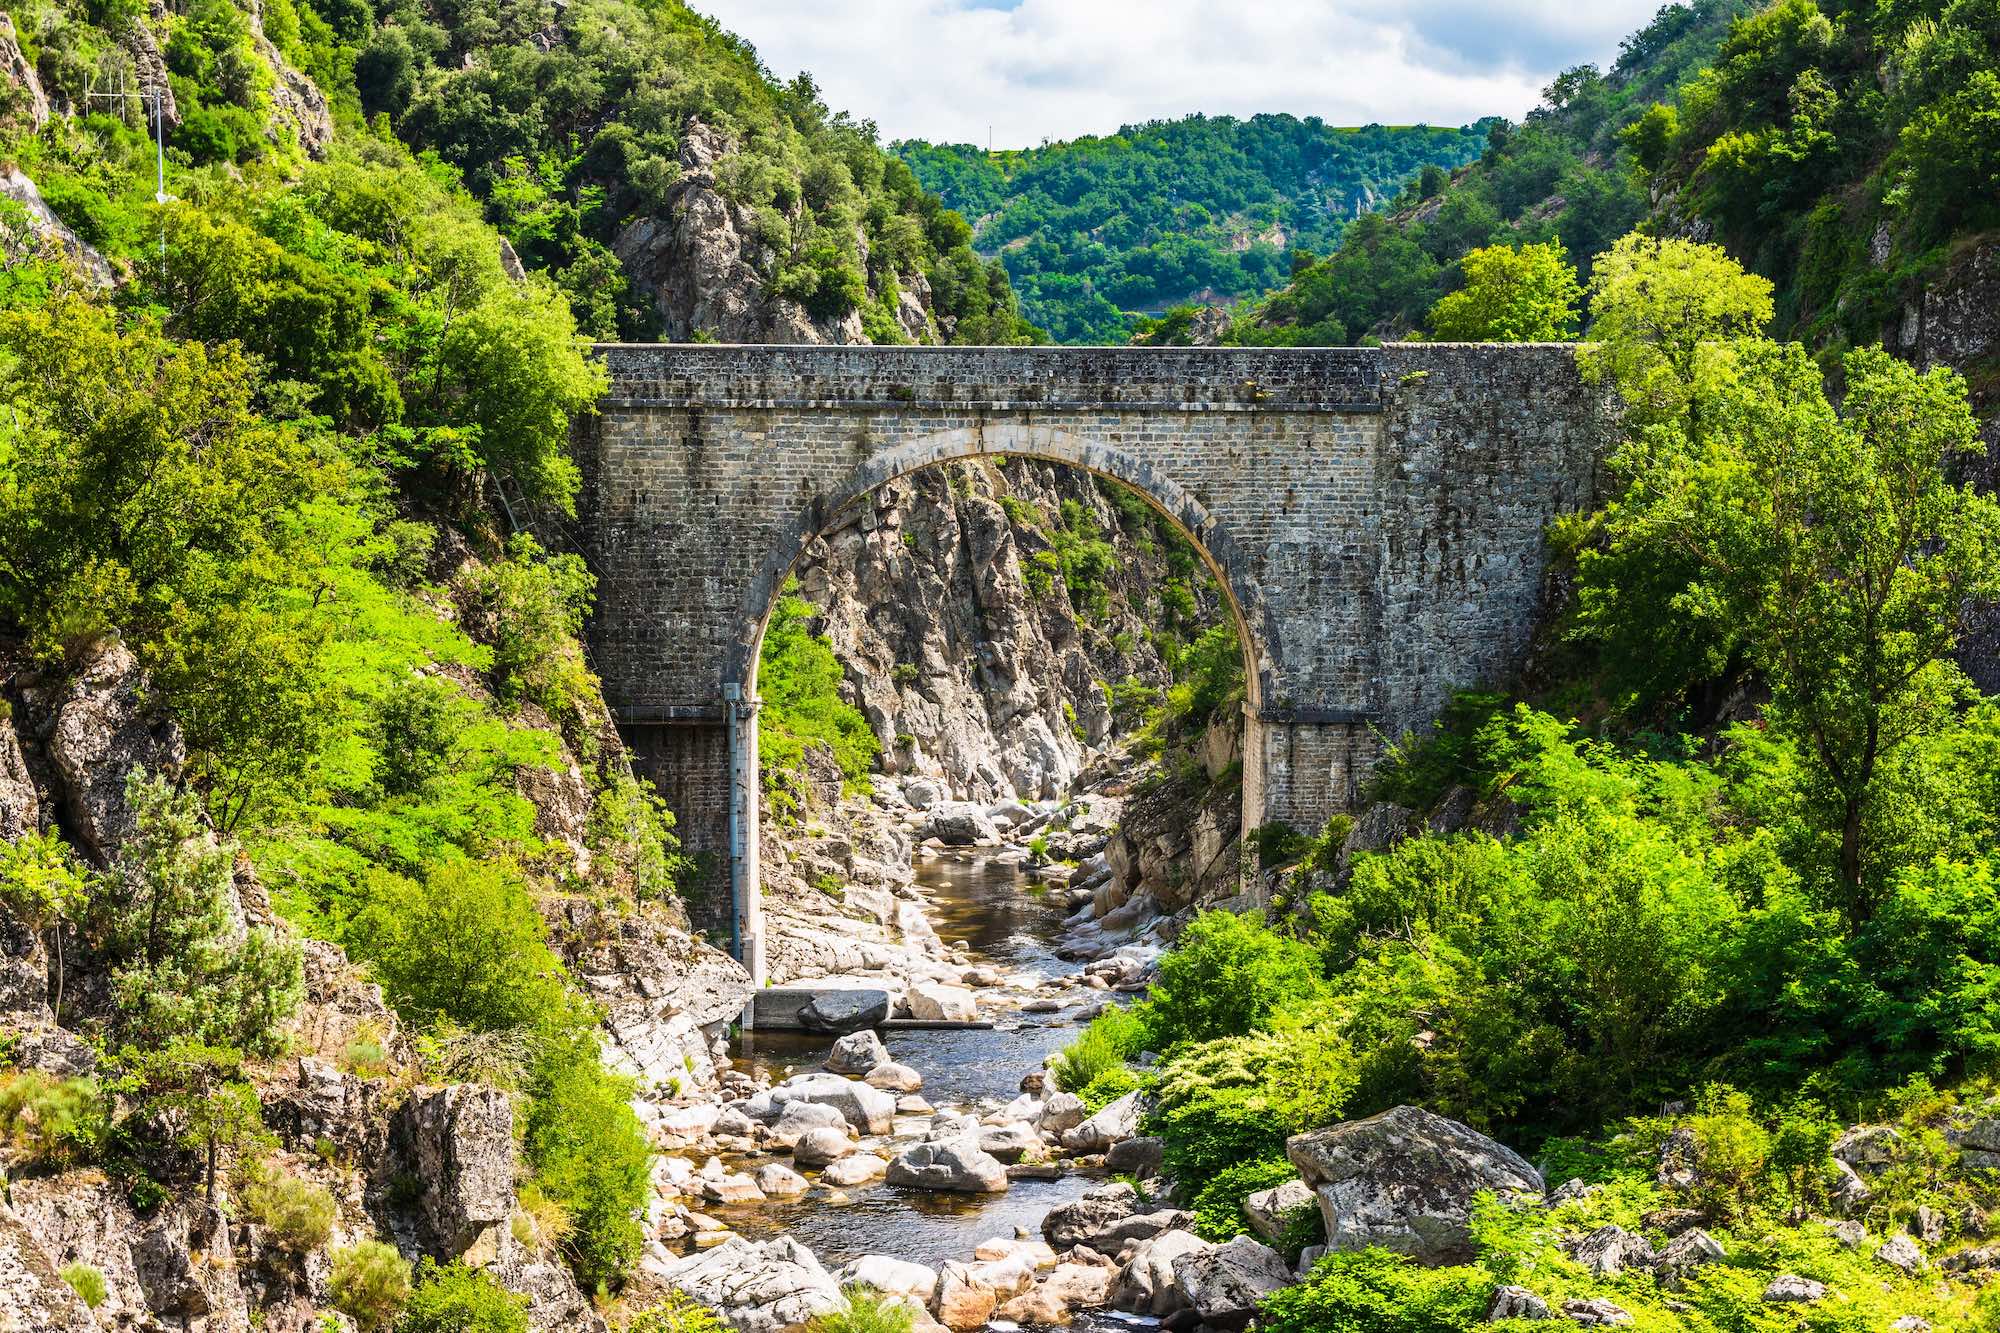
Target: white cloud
949, 69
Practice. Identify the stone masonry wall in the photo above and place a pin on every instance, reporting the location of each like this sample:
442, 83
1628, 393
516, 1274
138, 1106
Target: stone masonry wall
1376, 514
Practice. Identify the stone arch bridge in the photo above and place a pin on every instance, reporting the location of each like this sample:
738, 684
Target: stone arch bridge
1375, 516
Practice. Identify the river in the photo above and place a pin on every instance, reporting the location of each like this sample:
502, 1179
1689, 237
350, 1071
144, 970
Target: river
1006, 920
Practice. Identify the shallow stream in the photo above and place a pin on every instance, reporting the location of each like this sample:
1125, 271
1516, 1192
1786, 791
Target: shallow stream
1003, 920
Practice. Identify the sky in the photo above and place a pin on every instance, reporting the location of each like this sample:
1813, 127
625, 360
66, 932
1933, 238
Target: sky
947, 70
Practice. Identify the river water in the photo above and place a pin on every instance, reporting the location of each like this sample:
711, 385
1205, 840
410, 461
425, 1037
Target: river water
1004, 919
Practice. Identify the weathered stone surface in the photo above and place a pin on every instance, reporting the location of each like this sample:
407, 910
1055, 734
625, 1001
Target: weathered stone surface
663, 991
960, 824
1902, 1253
1512, 1302
1596, 1313
857, 1169
1010, 1142
963, 1302
1610, 1250
1063, 1110
1791, 1289
868, 1110
1225, 1284
957, 1166
20, 803
776, 1181
1687, 1252
1146, 1284
460, 1141
821, 1147
1405, 1180
892, 1277
1143, 1156
1270, 1211
756, 1287
846, 1011
103, 731
935, 1002
857, 1053
892, 1077
1114, 1124
1086, 1220
33, 1298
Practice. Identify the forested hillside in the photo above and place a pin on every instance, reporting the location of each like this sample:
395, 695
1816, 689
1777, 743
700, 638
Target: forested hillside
1208, 208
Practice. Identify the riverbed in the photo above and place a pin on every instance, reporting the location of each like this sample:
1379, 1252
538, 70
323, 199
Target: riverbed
1004, 919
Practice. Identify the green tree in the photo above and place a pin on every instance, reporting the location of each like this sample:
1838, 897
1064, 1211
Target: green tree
453, 1298
182, 969
1525, 293
1835, 544
202, 1095
42, 883
1655, 304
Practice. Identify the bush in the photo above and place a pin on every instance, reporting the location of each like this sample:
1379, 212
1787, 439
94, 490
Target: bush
297, 1213
86, 1282
1218, 1206
865, 1310
457, 1299
1227, 976
370, 1284
800, 681
1374, 1291
1239, 1099
537, 603
1113, 1037
591, 1158
1108, 1087
60, 1122
678, 1313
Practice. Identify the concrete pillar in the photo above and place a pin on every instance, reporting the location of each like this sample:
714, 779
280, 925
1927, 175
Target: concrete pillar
745, 813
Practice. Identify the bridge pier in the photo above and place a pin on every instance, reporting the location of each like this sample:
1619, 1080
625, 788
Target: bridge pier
1300, 768
746, 897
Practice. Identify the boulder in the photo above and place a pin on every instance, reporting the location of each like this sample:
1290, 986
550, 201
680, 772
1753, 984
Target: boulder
1113, 1124
1868, 1148
957, 1166
754, 1286
1269, 1211
777, 1181
1009, 1143
1085, 1220
963, 1302
1146, 1284
857, 1053
1610, 1250
1144, 1157
1080, 1285
1405, 1180
1037, 1254
960, 824
1596, 1313
1225, 1284
460, 1142
1791, 1289
869, 1110
846, 1011
892, 1277
1063, 1110
1687, 1252
821, 1147
1901, 1253
935, 1002
892, 1077
1512, 1302
858, 1169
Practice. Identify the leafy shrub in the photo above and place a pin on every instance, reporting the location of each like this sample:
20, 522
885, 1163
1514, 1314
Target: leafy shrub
370, 1283
1239, 1099
1108, 1087
1374, 1291
536, 603
297, 1213
591, 1158
678, 1313
865, 1310
800, 681
455, 1299
87, 1282
62, 1122
1227, 976
1113, 1037
1218, 1206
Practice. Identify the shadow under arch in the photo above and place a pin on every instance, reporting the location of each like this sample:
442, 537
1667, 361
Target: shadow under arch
1255, 632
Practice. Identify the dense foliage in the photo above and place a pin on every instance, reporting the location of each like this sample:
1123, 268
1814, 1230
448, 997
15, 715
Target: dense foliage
1208, 208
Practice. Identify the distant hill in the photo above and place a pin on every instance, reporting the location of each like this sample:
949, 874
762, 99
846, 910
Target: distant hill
1211, 209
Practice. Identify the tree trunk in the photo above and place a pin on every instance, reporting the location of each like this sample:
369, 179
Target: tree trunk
1850, 860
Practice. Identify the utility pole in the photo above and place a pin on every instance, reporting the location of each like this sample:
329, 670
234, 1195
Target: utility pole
155, 102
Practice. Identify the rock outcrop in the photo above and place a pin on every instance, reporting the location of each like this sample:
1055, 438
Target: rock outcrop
1405, 1180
